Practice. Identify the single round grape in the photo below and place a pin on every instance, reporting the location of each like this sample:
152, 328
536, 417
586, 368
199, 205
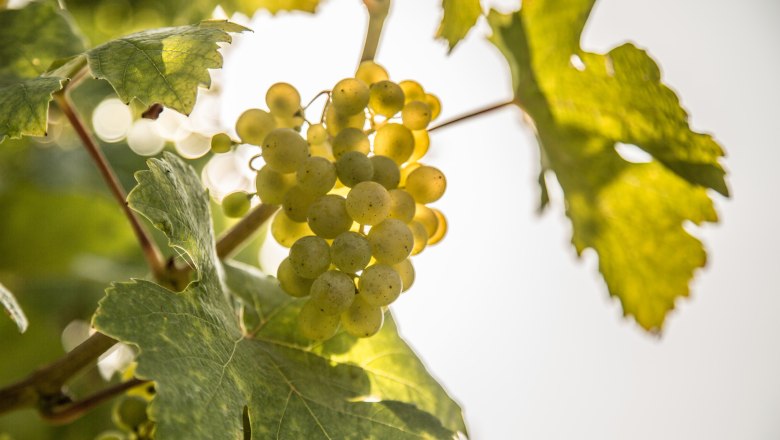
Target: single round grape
435, 105
420, 237
426, 184
416, 115
354, 167
287, 231
236, 204
322, 150
402, 206
296, 203
313, 324
391, 241
295, 122
441, 229
130, 412
370, 72
283, 99
350, 139
310, 256
221, 143
386, 172
254, 125
272, 186
427, 218
335, 122
406, 170
316, 134
284, 150
394, 141
386, 98
316, 176
413, 91
333, 292
350, 252
368, 203
328, 217
421, 143
292, 283
362, 320
379, 285
349, 96
405, 270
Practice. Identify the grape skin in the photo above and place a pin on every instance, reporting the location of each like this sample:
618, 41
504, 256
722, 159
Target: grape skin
350, 139
426, 184
328, 216
379, 285
362, 320
370, 72
406, 272
296, 203
221, 143
386, 172
416, 115
283, 99
310, 256
236, 204
368, 203
292, 283
354, 167
313, 324
316, 176
272, 186
386, 98
420, 237
284, 150
349, 96
350, 252
287, 231
333, 292
254, 125
391, 241
402, 206
394, 141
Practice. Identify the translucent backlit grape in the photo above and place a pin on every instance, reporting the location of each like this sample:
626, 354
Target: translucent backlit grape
402, 206
254, 125
333, 292
426, 184
350, 139
349, 96
370, 72
292, 283
386, 98
391, 241
354, 167
284, 150
287, 231
283, 99
368, 203
394, 141
386, 172
379, 285
310, 256
350, 252
328, 216
272, 186
362, 320
313, 324
316, 175
221, 143
236, 204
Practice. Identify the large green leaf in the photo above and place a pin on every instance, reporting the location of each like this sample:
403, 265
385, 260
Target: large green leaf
632, 214
24, 106
208, 369
459, 17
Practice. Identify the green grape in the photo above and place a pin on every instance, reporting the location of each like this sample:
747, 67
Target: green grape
333, 292
391, 241
287, 231
420, 237
406, 272
296, 203
402, 206
427, 218
310, 256
406, 170
362, 320
413, 91
322, 150
421, 143
284, 150
386, 98
394, 141
441, 229
416, 115
386, 172
349, 96
272, 186
292, 283
354, 167
283, 99
434, 103
370, 72
379, 285
221, 143
316, 176
335, 122
254, 125
316, 134
130, 412
328, 216
236, 204
313, 324
350, 252
426, 184
368, 203
294, 122
350, 139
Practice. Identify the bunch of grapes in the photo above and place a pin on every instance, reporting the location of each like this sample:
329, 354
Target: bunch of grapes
353, 194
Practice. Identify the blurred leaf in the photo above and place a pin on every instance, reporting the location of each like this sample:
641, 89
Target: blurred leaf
13, 309
459, 17
632, 214
24, 106
249, 7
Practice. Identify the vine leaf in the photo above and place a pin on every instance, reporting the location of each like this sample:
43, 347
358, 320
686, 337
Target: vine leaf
208, 369
459, 17
13, 309
583, 105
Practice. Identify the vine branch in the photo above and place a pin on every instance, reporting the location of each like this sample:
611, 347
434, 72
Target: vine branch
77, 409
472, 114
231, 240
377, 13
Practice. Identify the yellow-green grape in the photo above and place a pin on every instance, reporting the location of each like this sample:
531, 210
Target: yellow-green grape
333, 292
221, 143
129, 413
379, 285
296, 203
350, 139
284, 150
394, 141
350, 252
441, 229
283, 100
413, 91
420, 235
316, 176
328, 217
292, 283
391, 241
362, 320
370, 72
386, 98
421, 143
402, 206
406, 270
435, 105
313, 324
286, 231
406, 170
316, 134
368, 203
322, 150
254, 125
354, 167
427, 217
272, 186
310, 256
335, 122
236, 204
386, 172
416, 115
294, 122
349, 96
426, 184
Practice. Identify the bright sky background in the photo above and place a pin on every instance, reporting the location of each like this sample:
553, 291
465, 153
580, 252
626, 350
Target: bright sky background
522, 333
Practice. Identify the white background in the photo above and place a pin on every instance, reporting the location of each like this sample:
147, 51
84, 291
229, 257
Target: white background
519, 330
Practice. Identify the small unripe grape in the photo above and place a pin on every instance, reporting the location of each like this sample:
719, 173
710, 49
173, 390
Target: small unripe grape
416, 115
272, 186
386, 172
316, 175
221, 143
333, 292
328, 216
435, 105
370, 72
421, 143
287, 231
130, 412
350, 139
394, 141
420, 237
441, 229
368, 203
426, 184
313, 324
350, 252
354, 167
316, 134
236, 204
427, 218
284, 150
254, 125
296, 203
413, 91
349, 96
283, 99
379, 285
402, 205
292, 283
391, 241
406, 272
362, 320
386, 98
310, 256
335, 122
